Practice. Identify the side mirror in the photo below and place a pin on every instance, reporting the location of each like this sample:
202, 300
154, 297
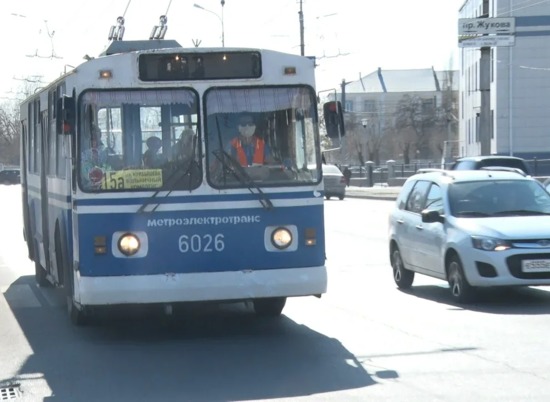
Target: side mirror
334, 119
431, 216
65, 116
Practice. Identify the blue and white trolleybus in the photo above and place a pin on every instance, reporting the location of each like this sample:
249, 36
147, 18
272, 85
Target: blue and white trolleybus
159, 174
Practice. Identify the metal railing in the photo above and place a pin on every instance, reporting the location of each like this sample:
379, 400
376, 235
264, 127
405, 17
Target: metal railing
396, 173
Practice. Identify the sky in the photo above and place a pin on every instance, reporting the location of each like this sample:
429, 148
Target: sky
42, 39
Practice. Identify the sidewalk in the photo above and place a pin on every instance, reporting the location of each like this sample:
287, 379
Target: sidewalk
376, 192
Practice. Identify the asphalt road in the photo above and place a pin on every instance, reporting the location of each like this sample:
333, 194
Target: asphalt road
364, 340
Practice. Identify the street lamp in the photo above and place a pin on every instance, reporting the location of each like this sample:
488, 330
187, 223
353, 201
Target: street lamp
365, 123
220, 18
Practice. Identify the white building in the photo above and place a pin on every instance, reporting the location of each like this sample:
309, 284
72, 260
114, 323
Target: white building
377, 98
519, 77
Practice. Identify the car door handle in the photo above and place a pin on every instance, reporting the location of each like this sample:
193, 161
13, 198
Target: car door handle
419, 227
400, 221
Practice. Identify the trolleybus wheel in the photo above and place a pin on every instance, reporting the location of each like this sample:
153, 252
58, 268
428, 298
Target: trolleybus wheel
77, 315
40, 275
269, 307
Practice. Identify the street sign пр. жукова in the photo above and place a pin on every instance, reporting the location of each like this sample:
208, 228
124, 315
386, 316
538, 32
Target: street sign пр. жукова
485, 26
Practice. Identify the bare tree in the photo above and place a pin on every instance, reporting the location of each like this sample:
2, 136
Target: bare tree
375, 136
9, 134
355, 139
414, 119
364, 136
448, 116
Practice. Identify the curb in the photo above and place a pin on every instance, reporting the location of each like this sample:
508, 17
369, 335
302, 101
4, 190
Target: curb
388, 194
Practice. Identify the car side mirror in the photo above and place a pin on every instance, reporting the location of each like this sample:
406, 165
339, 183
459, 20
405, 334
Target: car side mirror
431, 216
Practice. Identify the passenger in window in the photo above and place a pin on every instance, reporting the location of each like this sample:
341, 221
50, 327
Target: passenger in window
153, 158
248, 148
184, 171
94, 161
184, 150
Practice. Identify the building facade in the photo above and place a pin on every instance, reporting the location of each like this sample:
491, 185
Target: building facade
517, 105
403, 115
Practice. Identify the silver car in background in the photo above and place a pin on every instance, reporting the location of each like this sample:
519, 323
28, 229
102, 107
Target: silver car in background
334, 182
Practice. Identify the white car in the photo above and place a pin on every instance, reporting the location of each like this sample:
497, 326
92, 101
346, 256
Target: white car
474, 229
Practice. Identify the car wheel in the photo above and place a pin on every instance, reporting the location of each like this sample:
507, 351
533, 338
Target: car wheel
327, 197
403, 277
461, 290
269, 307
341, 197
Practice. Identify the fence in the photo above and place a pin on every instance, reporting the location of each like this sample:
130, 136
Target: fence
394, 174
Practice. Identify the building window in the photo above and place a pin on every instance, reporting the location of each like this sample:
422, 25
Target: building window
428, 106
348, 107
477, 127
492, 124
476, 76
492, 68
369, 106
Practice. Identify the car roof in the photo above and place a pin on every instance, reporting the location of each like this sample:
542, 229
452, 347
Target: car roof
328, 168
488, 157
455, 176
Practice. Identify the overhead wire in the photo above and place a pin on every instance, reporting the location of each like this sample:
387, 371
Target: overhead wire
126, 9
168, 8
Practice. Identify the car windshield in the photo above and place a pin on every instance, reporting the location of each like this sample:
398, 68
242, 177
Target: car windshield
512, 163
498, 198
467, 164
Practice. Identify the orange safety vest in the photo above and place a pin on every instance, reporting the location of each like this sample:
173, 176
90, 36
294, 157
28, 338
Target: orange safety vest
257, 158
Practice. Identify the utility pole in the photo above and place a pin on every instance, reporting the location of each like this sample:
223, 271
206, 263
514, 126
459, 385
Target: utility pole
343, 96
222, 2
485, 111
485, 89
301, 18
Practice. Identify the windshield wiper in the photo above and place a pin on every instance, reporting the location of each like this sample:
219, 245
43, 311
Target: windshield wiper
466, 214
522, 212
174, 177
230, 165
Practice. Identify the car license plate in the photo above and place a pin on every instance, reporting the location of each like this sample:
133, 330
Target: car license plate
535, 265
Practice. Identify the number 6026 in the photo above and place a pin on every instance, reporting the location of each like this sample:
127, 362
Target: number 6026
201, 244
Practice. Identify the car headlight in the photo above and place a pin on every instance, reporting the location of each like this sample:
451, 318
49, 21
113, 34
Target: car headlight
128, 244
281, 238
490, 243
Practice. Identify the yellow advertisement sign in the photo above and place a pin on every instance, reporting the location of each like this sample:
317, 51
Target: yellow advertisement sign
132, 179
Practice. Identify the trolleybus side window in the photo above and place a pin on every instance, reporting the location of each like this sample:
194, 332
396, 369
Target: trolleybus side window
116, 128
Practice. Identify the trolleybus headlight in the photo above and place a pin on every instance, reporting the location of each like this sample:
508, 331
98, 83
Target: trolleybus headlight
128, 244
281, 238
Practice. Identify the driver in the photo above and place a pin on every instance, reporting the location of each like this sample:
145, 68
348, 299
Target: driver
248, 148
